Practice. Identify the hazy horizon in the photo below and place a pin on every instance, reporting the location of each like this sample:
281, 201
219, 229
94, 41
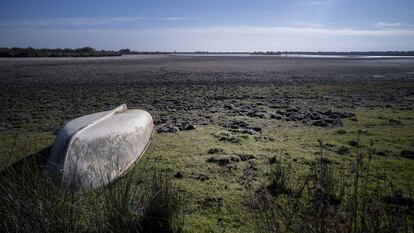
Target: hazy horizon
219, 26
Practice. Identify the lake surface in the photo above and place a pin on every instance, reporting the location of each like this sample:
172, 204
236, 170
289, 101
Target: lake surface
289, 55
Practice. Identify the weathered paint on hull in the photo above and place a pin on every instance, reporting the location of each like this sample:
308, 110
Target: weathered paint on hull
93, 150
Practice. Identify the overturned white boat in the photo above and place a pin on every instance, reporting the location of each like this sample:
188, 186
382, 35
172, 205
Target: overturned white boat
93, 150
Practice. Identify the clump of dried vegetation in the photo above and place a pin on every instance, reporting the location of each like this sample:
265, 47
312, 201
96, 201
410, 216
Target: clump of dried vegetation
326, 198
145, 200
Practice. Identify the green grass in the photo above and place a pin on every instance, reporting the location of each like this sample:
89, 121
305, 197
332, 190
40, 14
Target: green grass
145, 200
188, 152
221, 202
327, 199
17, 145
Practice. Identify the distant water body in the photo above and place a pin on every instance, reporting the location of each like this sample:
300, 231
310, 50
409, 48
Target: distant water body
286, 55
213, 54
341, 56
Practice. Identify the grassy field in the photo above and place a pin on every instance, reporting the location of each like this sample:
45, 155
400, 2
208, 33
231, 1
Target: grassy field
251, 115
220, 203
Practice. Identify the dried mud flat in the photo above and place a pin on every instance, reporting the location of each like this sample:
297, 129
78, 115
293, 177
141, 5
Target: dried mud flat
183, 92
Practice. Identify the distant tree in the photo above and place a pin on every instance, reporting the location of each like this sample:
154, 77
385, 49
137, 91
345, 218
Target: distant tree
125, 51
87, 50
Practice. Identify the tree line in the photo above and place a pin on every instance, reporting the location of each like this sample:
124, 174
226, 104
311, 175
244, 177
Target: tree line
44, 52
91, 52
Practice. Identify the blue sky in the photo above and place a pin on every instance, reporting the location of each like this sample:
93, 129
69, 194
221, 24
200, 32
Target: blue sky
213, 25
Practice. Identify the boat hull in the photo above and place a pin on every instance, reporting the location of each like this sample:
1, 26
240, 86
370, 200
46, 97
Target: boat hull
93, 150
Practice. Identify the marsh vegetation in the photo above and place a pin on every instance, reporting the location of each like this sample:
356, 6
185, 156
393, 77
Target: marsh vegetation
243, 144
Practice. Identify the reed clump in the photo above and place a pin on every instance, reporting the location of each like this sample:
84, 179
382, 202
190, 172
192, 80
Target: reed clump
145, 200
326, 198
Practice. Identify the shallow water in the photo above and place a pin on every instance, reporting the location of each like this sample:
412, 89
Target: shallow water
289, 55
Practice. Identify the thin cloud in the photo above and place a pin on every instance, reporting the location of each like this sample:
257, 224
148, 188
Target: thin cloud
260, 12
82, 21
308, 24
255, 30
217, 38
385, 24
317, 3
172, 18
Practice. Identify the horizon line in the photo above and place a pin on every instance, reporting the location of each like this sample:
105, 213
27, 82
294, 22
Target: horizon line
207, 51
